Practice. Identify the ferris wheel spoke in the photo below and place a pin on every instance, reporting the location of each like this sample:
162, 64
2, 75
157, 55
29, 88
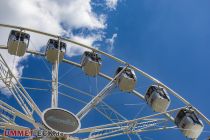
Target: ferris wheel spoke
34, 79
54, 101
3, 47
111, 114
131, 128
33, 88
98, 98
138, 94
12, 113
107, 116
149, 77
108, 112
8, 125
90, 129
107, 109
119, 125
102, 107
136, 127
16, 88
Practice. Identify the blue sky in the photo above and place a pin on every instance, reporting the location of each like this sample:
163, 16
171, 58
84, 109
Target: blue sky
167, 39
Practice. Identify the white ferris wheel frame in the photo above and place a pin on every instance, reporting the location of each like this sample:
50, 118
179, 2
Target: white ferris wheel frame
109, 130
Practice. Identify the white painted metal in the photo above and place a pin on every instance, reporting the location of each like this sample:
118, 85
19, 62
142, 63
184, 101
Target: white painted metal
107, 77
9, 125
20, 94
54, 102
157, 97
98, 98
90, 129
188, 122
18, 46
126, 80
55, 67
108, 112
74, 117
9, 109
50, 55
136, 93
101, 74
125, 129
55, 50
190, 129
91, 63
35, 79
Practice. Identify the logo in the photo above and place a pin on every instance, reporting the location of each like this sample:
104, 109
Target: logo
18, 133
31, 133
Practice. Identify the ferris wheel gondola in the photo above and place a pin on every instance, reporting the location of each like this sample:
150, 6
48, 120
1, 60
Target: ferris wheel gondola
18, 42
189, 123
55, 50
158, 98
157, 95
91, 63
127, 79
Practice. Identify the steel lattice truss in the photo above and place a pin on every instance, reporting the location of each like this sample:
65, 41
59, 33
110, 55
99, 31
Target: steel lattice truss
119, 125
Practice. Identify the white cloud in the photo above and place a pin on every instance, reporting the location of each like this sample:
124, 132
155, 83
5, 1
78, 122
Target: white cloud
14, 64
112, 4
47, 16
79, 14
110, 42
87, 40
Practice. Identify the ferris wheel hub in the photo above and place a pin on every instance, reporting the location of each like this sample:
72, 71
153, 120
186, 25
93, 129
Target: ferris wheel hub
61, 120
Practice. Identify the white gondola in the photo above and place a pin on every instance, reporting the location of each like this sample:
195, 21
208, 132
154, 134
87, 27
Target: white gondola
157, 97
91, 63
126, 80
54, 51
189, 123
18, 43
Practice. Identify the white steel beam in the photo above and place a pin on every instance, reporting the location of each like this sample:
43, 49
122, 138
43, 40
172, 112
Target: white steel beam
114, 58
35, 79
125, 129
11, 110
138, 70
97, 99
8, 125
138, 94
101, 95
55, 69
16, 88
90, 129
54, 101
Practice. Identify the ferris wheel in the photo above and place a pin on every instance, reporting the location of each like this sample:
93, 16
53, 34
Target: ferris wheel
157, 97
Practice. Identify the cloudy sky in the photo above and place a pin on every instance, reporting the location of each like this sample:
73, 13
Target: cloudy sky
168, 39
76, 19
